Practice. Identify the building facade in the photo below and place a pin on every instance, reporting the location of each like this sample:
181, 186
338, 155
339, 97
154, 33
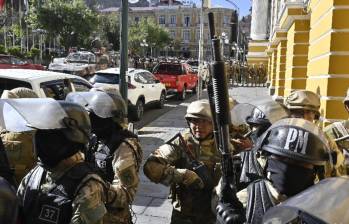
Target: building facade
304, 45
183, 25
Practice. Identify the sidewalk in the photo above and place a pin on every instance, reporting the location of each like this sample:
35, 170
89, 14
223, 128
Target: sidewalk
151, 204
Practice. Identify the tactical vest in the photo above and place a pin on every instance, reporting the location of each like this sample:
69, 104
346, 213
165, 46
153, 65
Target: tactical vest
55, 205
259, 201
251, 170
104, 154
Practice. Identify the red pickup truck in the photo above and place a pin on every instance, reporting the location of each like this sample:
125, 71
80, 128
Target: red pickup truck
177, 77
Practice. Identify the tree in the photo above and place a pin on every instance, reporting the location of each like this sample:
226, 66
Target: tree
147, 29
71, 20
109, 30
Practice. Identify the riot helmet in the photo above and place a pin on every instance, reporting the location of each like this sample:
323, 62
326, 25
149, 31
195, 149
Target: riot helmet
303, 100
339, 132
199, 109
102, 104
19, 92
296, 139
62, 128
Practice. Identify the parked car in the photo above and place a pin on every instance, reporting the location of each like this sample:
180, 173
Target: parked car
194, 65
10, 61
81, 63
44, 83
177, 77
143, 88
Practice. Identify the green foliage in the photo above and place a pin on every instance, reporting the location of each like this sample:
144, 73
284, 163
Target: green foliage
2, 49
72, 20
109, 28
148, 30
16, 51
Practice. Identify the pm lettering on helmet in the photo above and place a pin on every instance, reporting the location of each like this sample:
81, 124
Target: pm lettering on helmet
297, 140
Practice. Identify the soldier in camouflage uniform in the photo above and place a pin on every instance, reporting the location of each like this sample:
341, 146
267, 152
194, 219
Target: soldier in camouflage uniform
116, 152
62, 188
293, 150
306, 104
339, 132
18, 145
171, 165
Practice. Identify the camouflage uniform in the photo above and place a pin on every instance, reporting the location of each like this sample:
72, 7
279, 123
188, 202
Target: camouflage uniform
122, 191
161, 167
88, 204
171, 164
19, 145
117, 155
307, 100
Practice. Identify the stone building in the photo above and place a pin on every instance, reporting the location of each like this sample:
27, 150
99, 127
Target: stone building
304, 44
183, 24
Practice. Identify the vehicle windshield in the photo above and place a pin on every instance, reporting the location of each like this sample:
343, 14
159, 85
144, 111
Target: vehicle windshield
5, 60
8, 84
171, 69
77, 57
193, 63
105, 78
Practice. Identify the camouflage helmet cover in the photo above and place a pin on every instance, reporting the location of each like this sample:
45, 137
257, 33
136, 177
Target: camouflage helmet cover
339, 131
19, 92
303, 99
296, 139
199, 109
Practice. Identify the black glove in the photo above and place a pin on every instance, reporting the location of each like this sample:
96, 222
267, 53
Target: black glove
230, 214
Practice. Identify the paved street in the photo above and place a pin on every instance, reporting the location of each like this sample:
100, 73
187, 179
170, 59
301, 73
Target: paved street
151, 205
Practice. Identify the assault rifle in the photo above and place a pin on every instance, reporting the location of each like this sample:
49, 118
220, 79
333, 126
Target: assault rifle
229, 208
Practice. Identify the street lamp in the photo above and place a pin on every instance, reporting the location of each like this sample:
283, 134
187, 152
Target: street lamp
144, 45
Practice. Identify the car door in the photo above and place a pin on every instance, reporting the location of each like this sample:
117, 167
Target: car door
56, 89
144, 86
155, 87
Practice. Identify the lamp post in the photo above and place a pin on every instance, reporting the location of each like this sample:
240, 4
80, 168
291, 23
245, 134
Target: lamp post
144, 45
238, 29
201, 50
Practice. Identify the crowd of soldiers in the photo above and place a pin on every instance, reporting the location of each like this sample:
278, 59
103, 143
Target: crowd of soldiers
75, 161
243, 74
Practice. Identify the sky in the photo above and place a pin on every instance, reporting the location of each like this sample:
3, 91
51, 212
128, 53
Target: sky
244, 5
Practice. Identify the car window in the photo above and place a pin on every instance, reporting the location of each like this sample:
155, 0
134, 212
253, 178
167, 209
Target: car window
17, 61
80, 86
57, 89
171, 69
139, 77
8, 84
5, 60
105, 78
148, 77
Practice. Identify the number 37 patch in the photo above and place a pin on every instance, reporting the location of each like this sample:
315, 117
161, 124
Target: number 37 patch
49, 214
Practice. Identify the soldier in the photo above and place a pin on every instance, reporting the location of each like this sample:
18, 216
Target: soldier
18, 145
8, 199
177, 163
117, 152
294, 150
306, 104
62, 188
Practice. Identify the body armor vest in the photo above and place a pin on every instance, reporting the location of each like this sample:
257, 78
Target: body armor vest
55, 205
259, 201
251, 170
104, 153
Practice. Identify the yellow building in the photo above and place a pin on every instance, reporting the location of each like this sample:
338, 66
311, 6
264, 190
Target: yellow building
307, 48
183, 24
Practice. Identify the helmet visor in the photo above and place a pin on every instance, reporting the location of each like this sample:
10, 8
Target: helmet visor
100, 103
327, 201
272, 111
27, 114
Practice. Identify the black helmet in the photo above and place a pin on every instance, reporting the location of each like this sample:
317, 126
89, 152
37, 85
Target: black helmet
19, 115
258, 112
102, 104
296, 139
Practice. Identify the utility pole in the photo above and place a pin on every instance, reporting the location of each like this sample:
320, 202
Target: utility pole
124, 51
201, 51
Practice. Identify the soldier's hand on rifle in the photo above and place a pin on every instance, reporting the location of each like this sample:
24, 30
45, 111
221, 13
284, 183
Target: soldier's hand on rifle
190, 179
